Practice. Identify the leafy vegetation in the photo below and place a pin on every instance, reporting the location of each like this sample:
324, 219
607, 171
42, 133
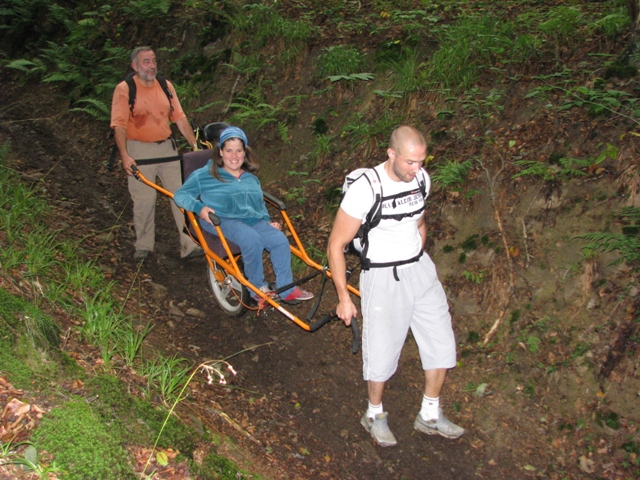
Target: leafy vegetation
499, 85
340, 60
451, 173
626, 244
219, 467
85, 439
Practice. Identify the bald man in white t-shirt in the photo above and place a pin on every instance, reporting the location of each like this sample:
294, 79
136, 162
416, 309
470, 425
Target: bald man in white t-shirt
399, 286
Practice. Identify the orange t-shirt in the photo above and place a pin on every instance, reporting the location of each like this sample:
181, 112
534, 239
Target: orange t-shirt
151, 111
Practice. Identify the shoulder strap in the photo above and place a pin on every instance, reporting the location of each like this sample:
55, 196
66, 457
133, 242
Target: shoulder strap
133, 90
375, 213
165, 88
423, 184
373, 217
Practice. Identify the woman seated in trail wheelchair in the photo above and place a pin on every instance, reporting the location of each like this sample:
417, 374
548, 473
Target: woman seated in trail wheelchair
219, 179
228, 188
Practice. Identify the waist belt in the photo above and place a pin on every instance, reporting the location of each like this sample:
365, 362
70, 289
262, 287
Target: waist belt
152, 161
369, 264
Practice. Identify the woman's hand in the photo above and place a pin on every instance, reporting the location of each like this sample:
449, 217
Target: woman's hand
276, 225
204, 214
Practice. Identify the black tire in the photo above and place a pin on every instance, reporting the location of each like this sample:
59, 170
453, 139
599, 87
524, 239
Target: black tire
230, 294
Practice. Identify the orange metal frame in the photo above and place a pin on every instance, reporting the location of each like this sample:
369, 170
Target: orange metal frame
230, 264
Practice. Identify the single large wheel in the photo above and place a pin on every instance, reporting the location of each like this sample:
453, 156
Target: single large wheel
230, 294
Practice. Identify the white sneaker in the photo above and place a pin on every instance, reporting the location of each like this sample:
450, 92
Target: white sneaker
442, 426
379, 429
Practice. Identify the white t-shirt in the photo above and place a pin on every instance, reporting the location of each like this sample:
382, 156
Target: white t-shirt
391, 240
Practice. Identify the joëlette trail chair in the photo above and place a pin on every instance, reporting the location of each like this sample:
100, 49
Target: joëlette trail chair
225, 275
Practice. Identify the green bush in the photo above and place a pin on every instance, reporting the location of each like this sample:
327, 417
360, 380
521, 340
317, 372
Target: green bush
613, 24
472, 46
340, 60
562, 24
451, 174
265, 23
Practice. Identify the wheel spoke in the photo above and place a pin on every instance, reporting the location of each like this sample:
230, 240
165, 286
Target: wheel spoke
230, 294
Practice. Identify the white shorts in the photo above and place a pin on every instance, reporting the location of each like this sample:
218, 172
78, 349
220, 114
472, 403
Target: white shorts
390, 308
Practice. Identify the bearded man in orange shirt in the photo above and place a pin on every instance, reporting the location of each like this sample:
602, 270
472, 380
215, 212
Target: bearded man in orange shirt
142, 132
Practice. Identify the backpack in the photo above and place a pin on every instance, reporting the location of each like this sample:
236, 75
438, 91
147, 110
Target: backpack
208, 135
360, 243
131, 83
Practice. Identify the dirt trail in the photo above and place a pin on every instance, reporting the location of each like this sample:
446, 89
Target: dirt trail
295, 405
298, 397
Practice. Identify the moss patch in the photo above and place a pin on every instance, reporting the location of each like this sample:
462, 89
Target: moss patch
82, 444
136, 419
27, 338
217, 467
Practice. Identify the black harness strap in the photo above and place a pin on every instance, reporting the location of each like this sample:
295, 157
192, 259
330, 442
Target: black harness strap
133, 90
395, 264
152, 161
131, 83
374, 217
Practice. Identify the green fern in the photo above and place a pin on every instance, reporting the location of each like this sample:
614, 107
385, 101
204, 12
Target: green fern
366, 77
627, 244
145, 9
628, 247
94, 107
27, 66
565, 168
451, 174
254, 110
630, 214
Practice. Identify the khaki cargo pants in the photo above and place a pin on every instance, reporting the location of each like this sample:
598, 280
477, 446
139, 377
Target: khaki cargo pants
144, 197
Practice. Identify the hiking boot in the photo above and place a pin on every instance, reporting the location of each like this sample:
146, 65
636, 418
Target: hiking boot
297, 295
141, 255
267, 291
441, 426
379, 429
195, 253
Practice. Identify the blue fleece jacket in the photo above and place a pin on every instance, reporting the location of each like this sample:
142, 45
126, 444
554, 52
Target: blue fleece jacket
236, 198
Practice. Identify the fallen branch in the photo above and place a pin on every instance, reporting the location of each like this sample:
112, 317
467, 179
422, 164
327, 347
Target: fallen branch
491, 182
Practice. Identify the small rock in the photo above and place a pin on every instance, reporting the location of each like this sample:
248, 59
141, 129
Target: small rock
587, 465
160, 292
194, 312
175, 311
108, 269
104, 237
582, 370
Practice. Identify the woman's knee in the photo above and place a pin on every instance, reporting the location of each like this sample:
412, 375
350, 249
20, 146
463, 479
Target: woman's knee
276, 240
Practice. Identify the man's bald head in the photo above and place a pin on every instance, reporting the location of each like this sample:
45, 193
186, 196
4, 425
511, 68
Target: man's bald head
405, 137
407, 152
